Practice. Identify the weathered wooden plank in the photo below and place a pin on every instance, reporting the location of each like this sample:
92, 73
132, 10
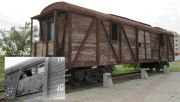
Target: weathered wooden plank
142, 51
50, 48
56, 82
147, 37
141, 36
56, 76
148, 51
59, 73
33, 49
59, 76
126, 54
46, 75
57, 67
83, 41
97, 41
55, 45
57, 62
130, 31
55, 85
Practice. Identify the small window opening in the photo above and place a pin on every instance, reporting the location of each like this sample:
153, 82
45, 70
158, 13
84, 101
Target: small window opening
33, 71
161, 40
114, 31
26, 73
50, 29
41, 68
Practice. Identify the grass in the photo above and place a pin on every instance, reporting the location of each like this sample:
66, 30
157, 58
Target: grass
120, 69
174, 66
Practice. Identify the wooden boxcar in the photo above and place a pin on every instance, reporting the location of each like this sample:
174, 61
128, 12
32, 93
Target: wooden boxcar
89, 38
36, 78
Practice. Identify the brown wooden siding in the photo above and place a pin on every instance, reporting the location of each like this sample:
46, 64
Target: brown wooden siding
87, 42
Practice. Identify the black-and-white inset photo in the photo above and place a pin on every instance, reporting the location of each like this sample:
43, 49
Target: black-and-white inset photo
29, 78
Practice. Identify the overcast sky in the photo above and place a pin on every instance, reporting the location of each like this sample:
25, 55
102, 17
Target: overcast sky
161, 13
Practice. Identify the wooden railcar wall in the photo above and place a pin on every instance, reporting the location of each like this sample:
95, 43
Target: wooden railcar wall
91, 43
86, 41
56, 77
43, 49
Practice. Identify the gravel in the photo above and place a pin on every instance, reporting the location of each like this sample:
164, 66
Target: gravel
158, 88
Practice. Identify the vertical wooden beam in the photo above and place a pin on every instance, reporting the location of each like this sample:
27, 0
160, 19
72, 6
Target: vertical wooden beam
145, 44
162, 51
97, 41
172, 52
40, 31
110, 31
167, 47
31, 35
120, 36
69, 37
159, 47
47, 26
46, 39
55, 34
35, 49
153, 49
173, 48
61, 49
46, 73
137, 45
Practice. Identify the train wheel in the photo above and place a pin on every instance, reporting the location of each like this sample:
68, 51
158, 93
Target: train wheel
77, 76
75, 83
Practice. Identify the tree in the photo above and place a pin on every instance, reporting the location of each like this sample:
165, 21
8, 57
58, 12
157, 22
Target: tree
16, 41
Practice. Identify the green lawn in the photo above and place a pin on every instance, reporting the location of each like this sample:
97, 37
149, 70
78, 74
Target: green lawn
175, 66
120, 69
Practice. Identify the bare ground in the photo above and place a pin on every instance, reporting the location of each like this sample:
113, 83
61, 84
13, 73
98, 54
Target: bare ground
158, 88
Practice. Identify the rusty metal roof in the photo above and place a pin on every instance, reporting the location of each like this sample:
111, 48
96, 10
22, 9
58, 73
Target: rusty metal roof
63, 6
